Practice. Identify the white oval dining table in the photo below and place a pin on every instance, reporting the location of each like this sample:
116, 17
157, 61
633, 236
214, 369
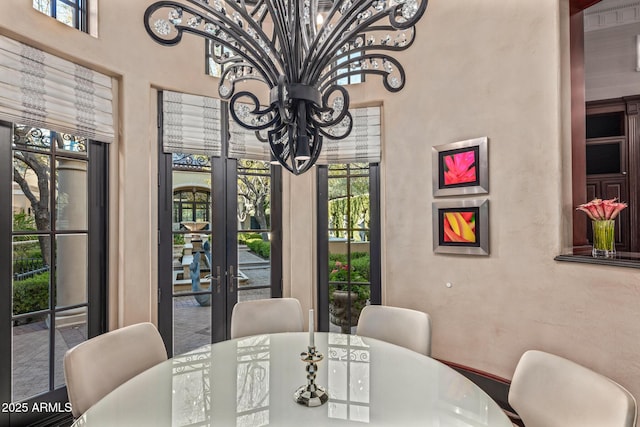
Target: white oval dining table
251, 382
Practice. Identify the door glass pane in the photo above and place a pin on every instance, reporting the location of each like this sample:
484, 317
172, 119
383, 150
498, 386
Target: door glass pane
30, 362
70, 143
68, 335
191, 263
192, 238
71, 272
31, 292
30, 276
71, 194
31, 205
349, 252
31, 137
191, 324
254, 230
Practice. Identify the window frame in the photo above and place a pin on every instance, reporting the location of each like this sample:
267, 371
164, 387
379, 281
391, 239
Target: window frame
322, 238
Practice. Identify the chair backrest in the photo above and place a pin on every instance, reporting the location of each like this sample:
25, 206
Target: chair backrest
95, 367
266, 316
401, 326
550, 391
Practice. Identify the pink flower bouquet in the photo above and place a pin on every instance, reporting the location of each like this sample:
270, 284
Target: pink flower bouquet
600, 210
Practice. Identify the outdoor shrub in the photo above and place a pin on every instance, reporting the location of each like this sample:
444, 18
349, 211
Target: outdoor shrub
260, 247
337, 257
362, 266
31, 294
243, 238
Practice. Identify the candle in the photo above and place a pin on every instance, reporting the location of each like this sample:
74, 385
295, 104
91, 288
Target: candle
311, 343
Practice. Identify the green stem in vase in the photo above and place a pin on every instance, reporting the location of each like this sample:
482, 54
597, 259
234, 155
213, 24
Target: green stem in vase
604, 235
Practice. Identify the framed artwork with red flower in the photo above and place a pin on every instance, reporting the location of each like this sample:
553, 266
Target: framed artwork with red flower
461, 227
461, 168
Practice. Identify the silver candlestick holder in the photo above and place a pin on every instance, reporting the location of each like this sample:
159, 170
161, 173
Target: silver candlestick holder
311, 394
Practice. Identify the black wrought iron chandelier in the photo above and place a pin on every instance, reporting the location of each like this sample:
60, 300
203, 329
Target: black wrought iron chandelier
300, 49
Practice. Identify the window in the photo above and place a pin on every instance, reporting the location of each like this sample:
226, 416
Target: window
55, 231
348, 243
70, 12
353, 66
213, 55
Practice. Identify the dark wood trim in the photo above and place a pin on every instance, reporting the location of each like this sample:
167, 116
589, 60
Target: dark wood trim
633, 159
165, 239
576, 6
578, 128
496, 387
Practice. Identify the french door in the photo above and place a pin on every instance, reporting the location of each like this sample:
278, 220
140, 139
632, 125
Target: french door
219, 243
53, 264
348, 243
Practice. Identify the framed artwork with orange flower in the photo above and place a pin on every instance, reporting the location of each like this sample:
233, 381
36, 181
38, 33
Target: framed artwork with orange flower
461, 227
461, 168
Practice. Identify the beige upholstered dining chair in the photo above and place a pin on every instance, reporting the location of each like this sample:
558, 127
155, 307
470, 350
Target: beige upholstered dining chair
266, 316
550, 391
95, 367
401, 326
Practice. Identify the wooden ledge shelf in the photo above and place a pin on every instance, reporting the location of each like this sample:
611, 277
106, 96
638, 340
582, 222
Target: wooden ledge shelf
622, 259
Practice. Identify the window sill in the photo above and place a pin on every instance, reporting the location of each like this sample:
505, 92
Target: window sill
583, 255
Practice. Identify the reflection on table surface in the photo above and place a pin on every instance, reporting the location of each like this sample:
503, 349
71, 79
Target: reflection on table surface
251, 381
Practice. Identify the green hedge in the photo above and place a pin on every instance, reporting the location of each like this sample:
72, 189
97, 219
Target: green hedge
260, 247
31, 294
243, 238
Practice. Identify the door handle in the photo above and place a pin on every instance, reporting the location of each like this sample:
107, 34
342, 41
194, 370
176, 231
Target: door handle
232, 278
216, 279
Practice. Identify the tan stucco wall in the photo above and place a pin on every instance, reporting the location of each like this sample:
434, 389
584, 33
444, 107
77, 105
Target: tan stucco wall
479, 68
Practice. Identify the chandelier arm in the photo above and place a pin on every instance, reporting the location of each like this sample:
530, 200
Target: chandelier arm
255, 111
318, 58
358, 32
318, 111
337, 5
339, 35
229, 69
280, 31
256, 13
267, 70
422, 6
331, 75
266, 67
346, 133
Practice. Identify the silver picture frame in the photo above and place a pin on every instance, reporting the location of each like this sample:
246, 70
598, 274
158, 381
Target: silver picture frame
471, 156
445, 238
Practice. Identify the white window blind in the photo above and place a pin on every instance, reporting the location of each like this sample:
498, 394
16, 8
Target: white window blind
39, 89
191, 124
361, 146
244, 144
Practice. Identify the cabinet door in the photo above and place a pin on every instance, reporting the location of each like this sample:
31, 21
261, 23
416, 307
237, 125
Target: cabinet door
609, 188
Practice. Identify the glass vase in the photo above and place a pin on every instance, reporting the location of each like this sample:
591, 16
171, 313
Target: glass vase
604, 238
